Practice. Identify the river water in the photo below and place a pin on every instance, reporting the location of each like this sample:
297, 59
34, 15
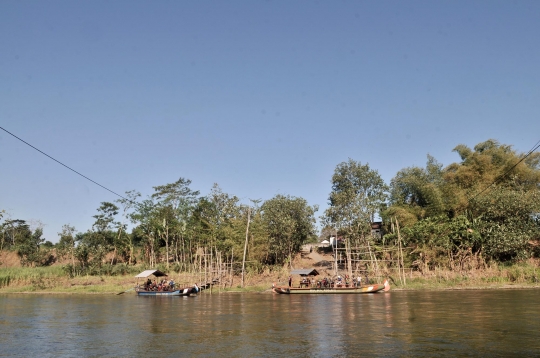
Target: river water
395, 324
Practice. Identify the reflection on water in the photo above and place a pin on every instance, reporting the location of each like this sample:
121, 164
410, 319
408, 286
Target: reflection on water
449, 323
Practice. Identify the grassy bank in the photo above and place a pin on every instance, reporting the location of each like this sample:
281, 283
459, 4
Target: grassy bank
54, 280
495, 276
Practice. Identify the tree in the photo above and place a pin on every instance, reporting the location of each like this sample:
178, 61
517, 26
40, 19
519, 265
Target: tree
358, 193
484, 206
218, 215
418, 192
127, 203
492, 163
105, 217
101, 239
28, 246
145, 217
507, 220
182, 199
66, 245
289, 223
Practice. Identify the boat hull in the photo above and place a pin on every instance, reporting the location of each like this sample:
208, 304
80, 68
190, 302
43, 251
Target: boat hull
179, 292
378, 287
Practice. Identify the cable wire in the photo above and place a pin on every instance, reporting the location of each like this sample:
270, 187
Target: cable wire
59, 162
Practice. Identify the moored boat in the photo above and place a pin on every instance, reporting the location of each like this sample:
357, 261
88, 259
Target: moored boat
180, 292
377, 287
308, 285
163, 289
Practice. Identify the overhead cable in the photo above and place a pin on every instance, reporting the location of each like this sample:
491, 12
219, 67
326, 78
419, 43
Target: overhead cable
59, 162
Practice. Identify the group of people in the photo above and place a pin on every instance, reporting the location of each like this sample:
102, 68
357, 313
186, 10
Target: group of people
162, 285
330, 282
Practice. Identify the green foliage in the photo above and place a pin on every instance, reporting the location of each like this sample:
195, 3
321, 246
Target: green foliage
507, 222
485, 207
289, 223
105, 217
5, 280
358, 193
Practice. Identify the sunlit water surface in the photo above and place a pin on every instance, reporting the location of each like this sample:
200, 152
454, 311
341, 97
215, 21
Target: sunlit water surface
394, 324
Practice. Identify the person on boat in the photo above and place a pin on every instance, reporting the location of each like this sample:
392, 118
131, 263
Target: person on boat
171, 284
290, 281
359, 281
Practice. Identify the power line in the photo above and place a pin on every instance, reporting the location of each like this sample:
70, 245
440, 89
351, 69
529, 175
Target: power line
59, 162
535, 147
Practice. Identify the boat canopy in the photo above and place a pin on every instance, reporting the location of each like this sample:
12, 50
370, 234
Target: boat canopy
305, 272
147, 273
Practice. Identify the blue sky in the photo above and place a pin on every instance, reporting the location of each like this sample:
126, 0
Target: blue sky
261, 97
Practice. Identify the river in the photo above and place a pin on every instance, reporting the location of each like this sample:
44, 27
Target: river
394, 324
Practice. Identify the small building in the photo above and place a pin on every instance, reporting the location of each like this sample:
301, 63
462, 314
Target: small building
377, 229
305, 272
336, 241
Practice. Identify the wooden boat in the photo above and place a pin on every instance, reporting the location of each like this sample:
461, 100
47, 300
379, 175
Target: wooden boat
378, 287
144, 290
179, 292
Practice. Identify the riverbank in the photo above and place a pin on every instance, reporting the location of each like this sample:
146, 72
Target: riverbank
54, 280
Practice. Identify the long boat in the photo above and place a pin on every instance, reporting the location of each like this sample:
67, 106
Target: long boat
144, 290
377, 287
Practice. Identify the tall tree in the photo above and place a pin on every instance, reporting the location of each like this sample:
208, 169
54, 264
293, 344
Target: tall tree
182, 199
417, 192
289, 223
358, 194
127, 203
66, 244
145, 217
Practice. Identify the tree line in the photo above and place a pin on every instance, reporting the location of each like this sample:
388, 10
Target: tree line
175, 226
484, 208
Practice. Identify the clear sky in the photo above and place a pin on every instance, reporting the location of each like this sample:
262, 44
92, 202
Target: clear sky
261, 97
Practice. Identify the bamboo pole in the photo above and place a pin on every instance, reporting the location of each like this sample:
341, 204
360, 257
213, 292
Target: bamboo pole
401, 252
348, 256
245, 246
231, 269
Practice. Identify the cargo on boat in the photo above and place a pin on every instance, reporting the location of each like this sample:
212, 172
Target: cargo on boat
160, 286
308, 285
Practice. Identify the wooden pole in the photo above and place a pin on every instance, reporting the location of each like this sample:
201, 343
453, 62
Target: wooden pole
231, 269
401, 252
245, 247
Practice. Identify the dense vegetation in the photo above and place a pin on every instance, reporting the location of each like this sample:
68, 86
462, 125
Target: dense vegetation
485, 208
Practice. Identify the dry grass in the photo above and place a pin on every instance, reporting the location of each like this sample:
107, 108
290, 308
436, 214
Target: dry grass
54, 280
